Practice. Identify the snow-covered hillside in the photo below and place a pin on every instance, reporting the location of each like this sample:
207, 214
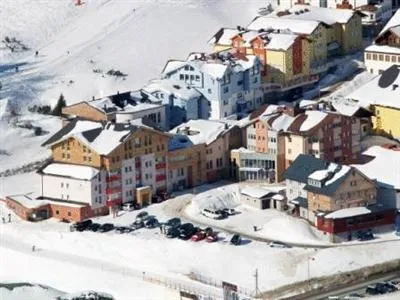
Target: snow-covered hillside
135, 37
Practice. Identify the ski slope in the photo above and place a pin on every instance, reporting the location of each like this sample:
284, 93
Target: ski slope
136, 37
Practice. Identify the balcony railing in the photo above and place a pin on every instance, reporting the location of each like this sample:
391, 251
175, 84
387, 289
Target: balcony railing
161, 165
113, 178
161, 177
114, 202
113, 190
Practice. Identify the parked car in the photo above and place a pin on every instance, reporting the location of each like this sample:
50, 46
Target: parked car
172, 233
142, 216
198, 236
222, 213
213, 214
174, 223
186, 231
106, 227
129, 206
93, 227
137, 224
236, 240
208, 231
151, 223
365, 235
229, 211
80, 226
380, 288
123, 229
212, 238
278, 245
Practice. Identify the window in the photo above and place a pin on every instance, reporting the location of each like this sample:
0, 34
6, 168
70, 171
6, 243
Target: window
69, 214
181, 77
62, 184
63, 156
368, 55
57, 212
67, 185
387, 58
381, 57
209, 91
197, 78
89, 159
186, 68
191, 77
226, 89
393, 58
374, 56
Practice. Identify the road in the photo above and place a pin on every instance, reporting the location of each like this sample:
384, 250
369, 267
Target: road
343, 291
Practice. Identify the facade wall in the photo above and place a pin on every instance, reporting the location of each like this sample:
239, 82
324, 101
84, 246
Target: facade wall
386, 119
295, 145
85, 111
261, 137
352, 35
74, 152
64, 188
156, 114
295, 189
376, 62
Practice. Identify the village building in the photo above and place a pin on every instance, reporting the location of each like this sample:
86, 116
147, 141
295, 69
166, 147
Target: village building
338, 199
183, 102
121, 107
381, 96
263, 198
199, 152
231, 83
284, 55
121, 158
388, 180
385, 51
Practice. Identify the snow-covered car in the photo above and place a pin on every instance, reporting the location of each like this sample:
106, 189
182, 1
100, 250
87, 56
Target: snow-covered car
106, 227
80, 226
151, 222
128, 206
278, 245
123, 229
213, 214
137, 224
236, 240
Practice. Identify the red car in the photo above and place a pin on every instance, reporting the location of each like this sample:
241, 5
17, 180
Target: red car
198, 236
211, 238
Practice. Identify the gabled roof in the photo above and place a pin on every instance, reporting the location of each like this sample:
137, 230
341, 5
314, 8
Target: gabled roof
256, 192
177, 88
223, 36
324, 15
101, 138
393, 24
381, 90
273, 22
302, 167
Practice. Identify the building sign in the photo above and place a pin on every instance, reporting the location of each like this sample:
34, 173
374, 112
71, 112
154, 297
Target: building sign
230, 291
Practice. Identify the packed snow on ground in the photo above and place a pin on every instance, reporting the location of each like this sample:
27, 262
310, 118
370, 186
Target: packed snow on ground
19, 146
274, 225
28, 291
78, 45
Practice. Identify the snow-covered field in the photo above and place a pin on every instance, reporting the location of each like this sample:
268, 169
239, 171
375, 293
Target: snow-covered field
135, 37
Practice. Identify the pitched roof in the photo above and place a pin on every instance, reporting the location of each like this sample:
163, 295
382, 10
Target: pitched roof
386, 177
223, 36
69, 170
325, 15
176, 88
381, 90
273, 22
302, 167
394, 23
348, 212
256, 192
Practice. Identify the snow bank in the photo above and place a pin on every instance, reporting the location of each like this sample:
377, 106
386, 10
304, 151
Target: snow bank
28, 291
290, 230
223, 197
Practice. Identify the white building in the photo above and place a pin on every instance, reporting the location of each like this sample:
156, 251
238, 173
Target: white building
75, 183
385, 51
263, 198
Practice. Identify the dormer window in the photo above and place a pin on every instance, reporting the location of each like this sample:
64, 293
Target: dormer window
314, 182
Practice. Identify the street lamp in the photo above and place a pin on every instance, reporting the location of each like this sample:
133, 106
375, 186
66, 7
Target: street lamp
310, 258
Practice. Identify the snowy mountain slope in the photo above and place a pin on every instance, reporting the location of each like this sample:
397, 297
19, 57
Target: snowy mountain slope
135, 37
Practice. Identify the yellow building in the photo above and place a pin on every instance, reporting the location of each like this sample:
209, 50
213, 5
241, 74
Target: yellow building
285, 56
382, 96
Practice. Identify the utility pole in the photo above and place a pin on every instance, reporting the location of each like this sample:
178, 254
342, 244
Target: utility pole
256, 282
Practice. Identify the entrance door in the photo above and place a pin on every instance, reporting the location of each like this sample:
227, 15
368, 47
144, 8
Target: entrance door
190, 176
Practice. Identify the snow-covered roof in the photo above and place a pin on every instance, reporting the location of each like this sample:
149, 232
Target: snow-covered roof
314, 117
215, 70
348, 212
325, 15
390, 176
169, 86
101, 140
223, 36
305, 103
129, 108
104, 104
73, 171
383, 49
172, 65
281, 41
331, 169
383, 90
243, 150
278, 197
283, 122
200, 131
272, 22
255, 192
393, 22
345, 106
27, 201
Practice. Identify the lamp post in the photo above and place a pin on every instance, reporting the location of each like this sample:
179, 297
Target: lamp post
310, 258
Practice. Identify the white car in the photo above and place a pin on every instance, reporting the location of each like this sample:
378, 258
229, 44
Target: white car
210, 213
128, 206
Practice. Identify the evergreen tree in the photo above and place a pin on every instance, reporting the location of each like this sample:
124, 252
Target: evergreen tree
60, 104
